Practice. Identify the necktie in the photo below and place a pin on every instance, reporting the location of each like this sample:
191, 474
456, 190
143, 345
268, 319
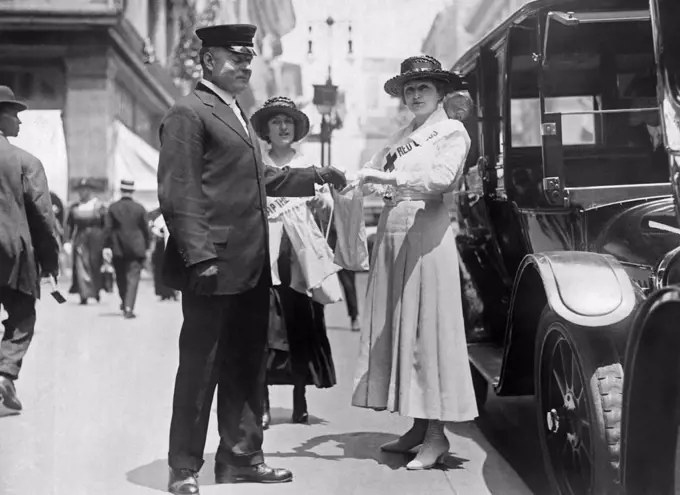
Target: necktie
243, 115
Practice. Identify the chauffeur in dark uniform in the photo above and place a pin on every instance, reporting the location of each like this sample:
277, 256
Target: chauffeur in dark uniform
212, 188
28, 246
128, 238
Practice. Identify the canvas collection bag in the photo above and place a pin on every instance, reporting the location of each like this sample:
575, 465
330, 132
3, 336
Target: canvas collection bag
311, 249
351, 249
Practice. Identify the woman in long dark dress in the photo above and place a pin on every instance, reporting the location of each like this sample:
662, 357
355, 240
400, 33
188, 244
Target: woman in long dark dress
299, 350
85, 232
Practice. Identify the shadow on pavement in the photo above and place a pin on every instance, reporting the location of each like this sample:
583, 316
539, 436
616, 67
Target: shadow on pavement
358, 445
153, 475
282, 416
361, 446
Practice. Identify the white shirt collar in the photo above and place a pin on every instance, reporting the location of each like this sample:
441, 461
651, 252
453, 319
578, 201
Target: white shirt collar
227, 98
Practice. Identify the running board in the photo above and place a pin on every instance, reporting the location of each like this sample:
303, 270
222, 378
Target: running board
488, 360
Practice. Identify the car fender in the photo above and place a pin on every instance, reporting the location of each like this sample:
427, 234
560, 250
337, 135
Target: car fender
651, 392
587, 289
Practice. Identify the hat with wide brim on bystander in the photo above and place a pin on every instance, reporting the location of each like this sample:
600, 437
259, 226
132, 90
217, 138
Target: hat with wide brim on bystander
423, 67
276, 106
237, 38
7, 99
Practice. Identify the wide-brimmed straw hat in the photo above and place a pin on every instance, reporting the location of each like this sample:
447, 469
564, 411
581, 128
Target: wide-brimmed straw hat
275, 106
7, 99
423, 67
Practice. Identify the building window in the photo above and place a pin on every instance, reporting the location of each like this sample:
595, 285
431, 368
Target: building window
125, 106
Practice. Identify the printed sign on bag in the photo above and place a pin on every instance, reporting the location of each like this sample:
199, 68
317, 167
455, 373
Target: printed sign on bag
278, 206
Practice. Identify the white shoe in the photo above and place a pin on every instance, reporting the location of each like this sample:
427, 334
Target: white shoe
409, 440
434, 449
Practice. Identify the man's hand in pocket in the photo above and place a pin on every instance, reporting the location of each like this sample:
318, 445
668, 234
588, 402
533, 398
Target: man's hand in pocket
203, 278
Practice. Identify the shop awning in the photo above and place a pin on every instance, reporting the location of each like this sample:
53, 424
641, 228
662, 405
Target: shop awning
135, 159
42, 135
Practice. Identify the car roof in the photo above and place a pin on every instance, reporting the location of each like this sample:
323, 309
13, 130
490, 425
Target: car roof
466, 62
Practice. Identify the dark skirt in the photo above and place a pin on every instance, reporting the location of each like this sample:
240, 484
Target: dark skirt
88, 245
299, 350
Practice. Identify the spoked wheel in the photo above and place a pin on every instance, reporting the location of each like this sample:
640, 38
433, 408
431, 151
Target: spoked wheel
579, 386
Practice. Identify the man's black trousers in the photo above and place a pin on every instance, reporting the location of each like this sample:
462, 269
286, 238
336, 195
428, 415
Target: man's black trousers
222, 344
128, 273
19, 329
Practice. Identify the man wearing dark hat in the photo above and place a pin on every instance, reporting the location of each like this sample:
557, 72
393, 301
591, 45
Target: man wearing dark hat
28, 246
127, 240
212, 188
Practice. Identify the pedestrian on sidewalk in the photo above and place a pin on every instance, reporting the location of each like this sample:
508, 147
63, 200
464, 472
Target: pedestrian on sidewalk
29, 248
85, 235
212, 188
413, 354
299, 349
127, 240
348, 283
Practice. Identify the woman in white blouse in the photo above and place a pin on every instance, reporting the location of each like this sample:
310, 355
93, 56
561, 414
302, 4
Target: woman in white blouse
413, 355
299, 350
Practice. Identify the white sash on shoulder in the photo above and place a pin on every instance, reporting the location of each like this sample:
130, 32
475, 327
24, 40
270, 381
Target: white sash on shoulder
418, 142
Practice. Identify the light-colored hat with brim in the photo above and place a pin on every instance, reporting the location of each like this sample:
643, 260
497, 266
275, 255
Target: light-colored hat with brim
127, 186
8, 100
423, 67
276, 106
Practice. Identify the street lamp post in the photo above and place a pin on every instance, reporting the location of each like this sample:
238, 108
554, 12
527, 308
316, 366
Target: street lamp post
325, 98
326, 95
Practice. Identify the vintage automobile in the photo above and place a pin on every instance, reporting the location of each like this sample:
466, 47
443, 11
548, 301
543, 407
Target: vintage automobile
568, 229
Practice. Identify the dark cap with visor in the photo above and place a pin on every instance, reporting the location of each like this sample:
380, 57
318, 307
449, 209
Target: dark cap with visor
237, 38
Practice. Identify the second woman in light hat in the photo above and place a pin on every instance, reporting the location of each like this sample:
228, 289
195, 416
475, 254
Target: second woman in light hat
299, 350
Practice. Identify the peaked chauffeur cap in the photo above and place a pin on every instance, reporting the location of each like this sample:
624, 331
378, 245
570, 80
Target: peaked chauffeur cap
236, 38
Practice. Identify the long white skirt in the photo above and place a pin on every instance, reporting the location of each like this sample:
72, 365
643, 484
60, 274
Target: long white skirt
413, 356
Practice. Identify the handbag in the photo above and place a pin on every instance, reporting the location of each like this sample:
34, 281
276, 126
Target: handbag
351, 248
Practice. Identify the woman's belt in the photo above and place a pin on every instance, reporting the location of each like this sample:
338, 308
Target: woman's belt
398, 198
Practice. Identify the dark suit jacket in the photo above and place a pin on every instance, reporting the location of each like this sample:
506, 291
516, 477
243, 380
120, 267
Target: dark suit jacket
28, 241
212, 189
127, 229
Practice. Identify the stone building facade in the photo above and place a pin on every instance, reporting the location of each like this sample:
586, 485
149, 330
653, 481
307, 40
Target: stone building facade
101, 65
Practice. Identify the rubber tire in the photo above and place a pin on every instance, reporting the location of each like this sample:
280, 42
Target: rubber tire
599, 361
481, 387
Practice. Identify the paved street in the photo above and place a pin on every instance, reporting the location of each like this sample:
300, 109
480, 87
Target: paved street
97, 391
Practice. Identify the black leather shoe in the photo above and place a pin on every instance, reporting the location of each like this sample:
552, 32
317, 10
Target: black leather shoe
260, 473
183, 482
9, 402
128, 315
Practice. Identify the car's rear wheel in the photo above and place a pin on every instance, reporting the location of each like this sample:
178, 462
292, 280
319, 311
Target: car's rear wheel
579, 383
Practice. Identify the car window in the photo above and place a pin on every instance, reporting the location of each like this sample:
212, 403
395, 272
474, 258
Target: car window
576, 129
